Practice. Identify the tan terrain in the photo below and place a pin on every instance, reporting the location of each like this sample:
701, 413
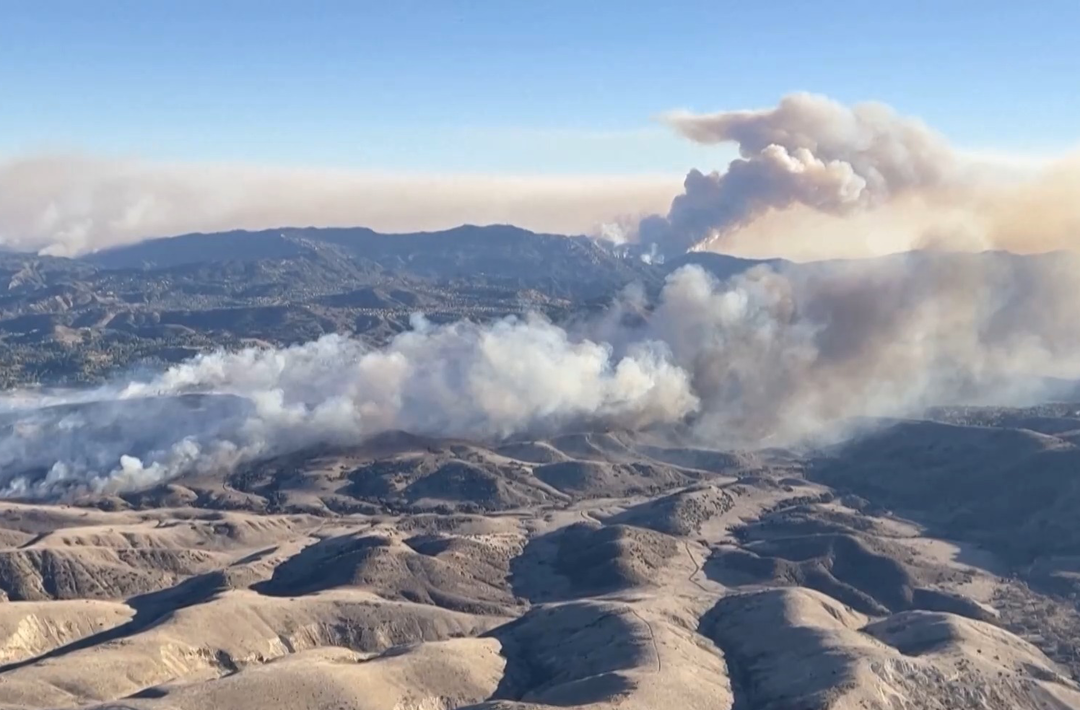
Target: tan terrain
589, 571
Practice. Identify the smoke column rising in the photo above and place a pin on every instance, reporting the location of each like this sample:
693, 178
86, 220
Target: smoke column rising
808, 150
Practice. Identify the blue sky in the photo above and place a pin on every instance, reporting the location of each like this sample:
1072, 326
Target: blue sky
548, 86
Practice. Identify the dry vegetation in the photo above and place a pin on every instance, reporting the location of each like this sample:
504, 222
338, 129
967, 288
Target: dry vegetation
932, 564
422, 574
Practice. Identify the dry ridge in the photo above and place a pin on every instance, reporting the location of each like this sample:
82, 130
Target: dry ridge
928, 565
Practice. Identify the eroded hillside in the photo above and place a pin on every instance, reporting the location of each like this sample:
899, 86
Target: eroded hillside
593, 570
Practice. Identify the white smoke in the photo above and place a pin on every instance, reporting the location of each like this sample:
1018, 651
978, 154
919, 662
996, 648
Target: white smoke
796, 353
808, 150
820, 179
457, 380
768, 356
771, 355
814, 179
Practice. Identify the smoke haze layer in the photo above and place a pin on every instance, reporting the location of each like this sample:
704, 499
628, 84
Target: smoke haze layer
67, 205
813, 179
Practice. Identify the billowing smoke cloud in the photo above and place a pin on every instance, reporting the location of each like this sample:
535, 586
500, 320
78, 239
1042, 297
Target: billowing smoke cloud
858, 171
770, 356
773, 355
458, 380
815, 179
808, 150
68, 205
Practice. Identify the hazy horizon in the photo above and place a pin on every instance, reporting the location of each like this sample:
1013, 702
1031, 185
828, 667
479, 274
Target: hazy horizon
409, 117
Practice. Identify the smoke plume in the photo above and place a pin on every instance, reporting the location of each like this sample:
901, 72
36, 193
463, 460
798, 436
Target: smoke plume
815, 179
773, 355
809, 151
457, 380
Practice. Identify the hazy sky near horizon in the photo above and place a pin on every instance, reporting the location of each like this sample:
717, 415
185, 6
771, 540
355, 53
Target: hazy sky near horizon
488, 86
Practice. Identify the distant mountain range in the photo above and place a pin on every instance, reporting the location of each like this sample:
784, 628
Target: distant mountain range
76, 320
503, 252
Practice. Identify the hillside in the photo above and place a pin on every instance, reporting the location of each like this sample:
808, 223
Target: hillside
419, 573
76, 321
309, 527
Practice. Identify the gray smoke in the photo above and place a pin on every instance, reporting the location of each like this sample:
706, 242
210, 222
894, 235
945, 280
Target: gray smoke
808, 150
787, 355
770, 356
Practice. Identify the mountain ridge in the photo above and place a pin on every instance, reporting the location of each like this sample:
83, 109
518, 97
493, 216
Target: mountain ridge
80, 320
